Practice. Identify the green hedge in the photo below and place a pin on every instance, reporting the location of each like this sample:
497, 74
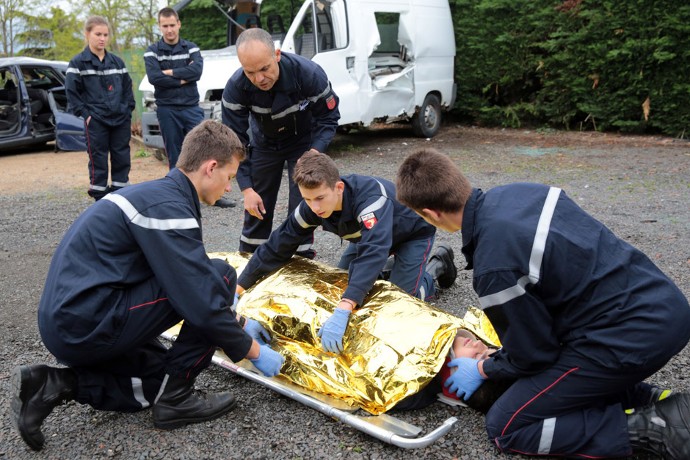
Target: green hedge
204, 25
616, 65
575, 64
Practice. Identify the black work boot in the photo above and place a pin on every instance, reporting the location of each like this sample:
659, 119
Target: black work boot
36, 391
180, 405
225, 203
662, 428
441, 266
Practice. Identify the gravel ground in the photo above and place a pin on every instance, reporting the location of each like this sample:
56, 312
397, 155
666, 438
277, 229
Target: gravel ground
639, 187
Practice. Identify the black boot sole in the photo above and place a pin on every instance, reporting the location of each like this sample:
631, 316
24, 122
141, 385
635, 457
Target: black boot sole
180, 422
446, 256
225, 203
19, 397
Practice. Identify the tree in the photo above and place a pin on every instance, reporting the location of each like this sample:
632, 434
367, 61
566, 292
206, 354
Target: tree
144, 17
63, 40
115, 12
12, 13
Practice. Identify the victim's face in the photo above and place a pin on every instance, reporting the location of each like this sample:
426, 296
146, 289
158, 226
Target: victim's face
466, 345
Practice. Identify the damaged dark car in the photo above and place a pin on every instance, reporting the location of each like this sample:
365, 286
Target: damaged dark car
33, 106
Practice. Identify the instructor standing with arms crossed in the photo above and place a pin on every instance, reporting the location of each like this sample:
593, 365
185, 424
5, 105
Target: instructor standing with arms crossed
288, 104
173, 66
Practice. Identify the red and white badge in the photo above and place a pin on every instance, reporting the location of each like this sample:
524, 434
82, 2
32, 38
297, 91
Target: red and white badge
369, 220
330, 102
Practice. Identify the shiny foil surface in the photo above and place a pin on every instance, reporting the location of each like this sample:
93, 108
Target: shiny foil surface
393, 346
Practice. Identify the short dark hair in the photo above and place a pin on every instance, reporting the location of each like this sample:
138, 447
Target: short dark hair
167, 12
314, 169
210, 140
429, 179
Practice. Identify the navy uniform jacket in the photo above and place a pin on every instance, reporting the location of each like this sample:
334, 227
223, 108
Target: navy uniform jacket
185, 59
300, 112
102, 90
549, 275
141, 231
371, 217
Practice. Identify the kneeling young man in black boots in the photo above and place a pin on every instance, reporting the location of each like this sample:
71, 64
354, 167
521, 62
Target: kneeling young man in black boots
130, 267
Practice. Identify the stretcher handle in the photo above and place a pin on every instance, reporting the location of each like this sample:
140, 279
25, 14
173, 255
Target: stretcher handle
355, 421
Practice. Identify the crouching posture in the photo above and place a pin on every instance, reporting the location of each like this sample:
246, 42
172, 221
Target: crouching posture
130, 267
583, 318
363, 211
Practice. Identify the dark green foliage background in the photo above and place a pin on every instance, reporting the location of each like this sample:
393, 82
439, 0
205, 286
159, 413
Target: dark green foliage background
205, 25
575, 64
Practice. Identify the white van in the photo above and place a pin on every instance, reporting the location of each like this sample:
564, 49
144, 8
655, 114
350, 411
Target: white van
388, 60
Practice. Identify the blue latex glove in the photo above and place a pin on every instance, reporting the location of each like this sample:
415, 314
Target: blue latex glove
269, 362
257, 332
332, 331
466, 378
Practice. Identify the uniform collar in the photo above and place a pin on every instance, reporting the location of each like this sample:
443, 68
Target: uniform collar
468, 223
285, 81
186, 185
164, 45
87, 55
346, 212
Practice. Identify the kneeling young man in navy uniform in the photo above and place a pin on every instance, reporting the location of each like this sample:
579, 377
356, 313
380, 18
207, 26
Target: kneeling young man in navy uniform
130, 267
583, 318
364, 211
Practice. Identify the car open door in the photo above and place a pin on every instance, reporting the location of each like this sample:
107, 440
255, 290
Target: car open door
69, 129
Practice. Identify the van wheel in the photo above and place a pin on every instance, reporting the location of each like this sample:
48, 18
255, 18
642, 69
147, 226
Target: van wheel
427, 121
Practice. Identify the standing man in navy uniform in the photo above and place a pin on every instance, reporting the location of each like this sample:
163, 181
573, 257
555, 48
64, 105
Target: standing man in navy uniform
289, 107
173, 66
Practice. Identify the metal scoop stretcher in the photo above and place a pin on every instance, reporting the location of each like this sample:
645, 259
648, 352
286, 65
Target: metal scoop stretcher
383, 427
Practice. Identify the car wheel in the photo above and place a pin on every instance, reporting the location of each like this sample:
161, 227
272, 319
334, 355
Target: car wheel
427, 120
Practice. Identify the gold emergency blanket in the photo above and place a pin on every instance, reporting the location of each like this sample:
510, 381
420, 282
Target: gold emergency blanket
394, 344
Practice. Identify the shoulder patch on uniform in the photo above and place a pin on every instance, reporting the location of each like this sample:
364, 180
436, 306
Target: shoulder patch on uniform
369, 220
330, 102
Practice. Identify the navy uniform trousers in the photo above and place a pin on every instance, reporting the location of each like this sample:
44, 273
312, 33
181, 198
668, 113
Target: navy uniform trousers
125, 372
101, 139
575, 406
175, 123
267, 173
